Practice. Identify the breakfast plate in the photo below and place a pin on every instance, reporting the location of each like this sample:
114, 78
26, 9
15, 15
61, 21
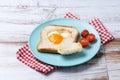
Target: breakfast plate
65, 60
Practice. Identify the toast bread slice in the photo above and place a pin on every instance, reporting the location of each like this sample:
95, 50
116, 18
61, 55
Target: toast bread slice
44, 45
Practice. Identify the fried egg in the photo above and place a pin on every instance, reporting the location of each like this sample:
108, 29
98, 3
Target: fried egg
57, 37
64, 40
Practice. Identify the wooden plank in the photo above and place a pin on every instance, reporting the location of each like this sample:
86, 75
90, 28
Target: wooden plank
87, 13
28, 74
16, 14
12, 25
10, 65
14, 3
114, 75
28, 15
98, 76
17, 26
61, 3
20, 34
112, 52
8, 54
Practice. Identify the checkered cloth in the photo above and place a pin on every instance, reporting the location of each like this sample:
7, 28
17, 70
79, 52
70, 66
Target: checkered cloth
96, 23
25, 55
103, 32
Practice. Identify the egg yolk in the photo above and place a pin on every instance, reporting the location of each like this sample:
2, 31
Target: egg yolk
55, 38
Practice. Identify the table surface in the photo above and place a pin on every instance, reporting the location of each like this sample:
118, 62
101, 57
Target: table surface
19, 17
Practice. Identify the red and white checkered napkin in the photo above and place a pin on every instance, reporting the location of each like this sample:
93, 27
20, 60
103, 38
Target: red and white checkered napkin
96, 23
25, 55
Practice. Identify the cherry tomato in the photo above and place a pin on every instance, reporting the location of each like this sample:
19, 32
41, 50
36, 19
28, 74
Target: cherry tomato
90, 38
84, 42
84, 33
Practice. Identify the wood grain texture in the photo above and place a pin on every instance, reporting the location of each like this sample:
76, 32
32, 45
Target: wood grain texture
112, 52
114, 74
12, 25
9, 64
17, 23
60, 3
19, 17
109, 21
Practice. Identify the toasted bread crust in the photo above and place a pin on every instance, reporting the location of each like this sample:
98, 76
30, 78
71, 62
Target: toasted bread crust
53, 50
48, 50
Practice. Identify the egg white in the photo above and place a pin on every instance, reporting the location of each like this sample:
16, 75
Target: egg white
67, 46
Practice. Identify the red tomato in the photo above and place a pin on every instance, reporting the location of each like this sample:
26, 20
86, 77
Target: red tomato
90, 38
84, 33
84, 42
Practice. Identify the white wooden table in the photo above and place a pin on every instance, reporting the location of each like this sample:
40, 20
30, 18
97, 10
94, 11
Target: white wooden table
19, 17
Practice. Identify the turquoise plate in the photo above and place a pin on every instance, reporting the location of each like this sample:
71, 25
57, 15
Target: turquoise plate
62, 60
